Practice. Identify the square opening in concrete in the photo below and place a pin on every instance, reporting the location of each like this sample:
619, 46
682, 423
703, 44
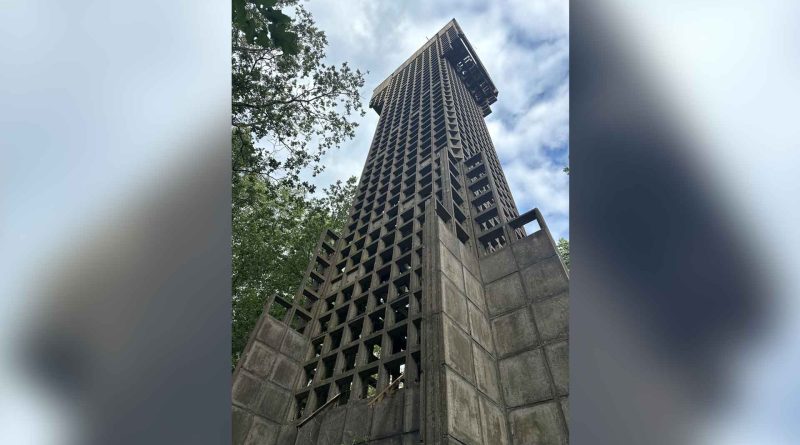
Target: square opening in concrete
344, 387
301, 401
369, 383
399, 338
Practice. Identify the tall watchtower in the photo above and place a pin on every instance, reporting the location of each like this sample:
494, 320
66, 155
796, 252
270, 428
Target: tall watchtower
435, 317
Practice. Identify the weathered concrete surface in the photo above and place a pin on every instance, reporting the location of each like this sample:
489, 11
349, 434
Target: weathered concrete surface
463, 410
515, 332
525, 378
263, 385
505, 294
527, 297
552, 317
538, 425
462, 397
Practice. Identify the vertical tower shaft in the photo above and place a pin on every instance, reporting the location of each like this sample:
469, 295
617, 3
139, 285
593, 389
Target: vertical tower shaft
434, 317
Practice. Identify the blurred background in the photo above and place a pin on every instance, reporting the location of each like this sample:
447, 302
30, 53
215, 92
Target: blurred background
115, 202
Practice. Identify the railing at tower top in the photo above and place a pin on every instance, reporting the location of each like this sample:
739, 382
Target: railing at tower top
499, 235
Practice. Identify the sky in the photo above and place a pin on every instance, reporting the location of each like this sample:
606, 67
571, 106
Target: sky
524, 45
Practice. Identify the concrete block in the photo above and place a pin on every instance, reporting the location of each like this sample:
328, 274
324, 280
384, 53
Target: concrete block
296, 345
308, 433
458, 350
565, 409
241, 421
449, 239
505, 294
287, 435
532, 249
260, 359
387, 416
462, 410
493, 423
474, 290
486, 373
524, 378
454, 303
285, 372
271, 332
358, 422
263, 433
537, 425
544, 279
451, 267
480, 329
275, 403
247, 391
552, 317
558, 357
411, 409
514, 332
470, 259
330, 430
497, 265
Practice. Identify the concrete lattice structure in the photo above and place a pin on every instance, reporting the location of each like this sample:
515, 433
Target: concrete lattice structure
435, 318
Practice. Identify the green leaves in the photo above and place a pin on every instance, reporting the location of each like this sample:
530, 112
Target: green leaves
294, 106
563, 249
289, 109
275, 229
261, 24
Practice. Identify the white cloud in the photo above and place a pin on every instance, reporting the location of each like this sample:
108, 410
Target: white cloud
525, 47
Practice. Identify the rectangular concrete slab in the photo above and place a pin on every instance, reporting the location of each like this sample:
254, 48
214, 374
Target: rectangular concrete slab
387, 416
505, 294
480, 328
537, 425
552, 317
462, 410
452, 268
357, 424
493, 423
275, 403
330, 430
558, 356
458, 350
497, 265
241, 421
271, 332
285, 372
474, 290
544, 279
486, 373
454, 303
525, 379
469, 259
263, 433
514, 332
533, 248
248, 391
295, 345
260, 359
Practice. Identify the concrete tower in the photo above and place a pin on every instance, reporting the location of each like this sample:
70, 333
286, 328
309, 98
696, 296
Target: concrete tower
435, 317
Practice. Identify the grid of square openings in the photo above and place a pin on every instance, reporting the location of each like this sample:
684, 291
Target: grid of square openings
366, 330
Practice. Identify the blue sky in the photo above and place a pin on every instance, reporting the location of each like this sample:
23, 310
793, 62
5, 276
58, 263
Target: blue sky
525, 47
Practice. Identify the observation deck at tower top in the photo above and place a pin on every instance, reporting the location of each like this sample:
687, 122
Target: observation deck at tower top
464, 60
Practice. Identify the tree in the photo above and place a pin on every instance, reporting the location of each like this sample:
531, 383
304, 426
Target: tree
274, 235
563, 249
289, 107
